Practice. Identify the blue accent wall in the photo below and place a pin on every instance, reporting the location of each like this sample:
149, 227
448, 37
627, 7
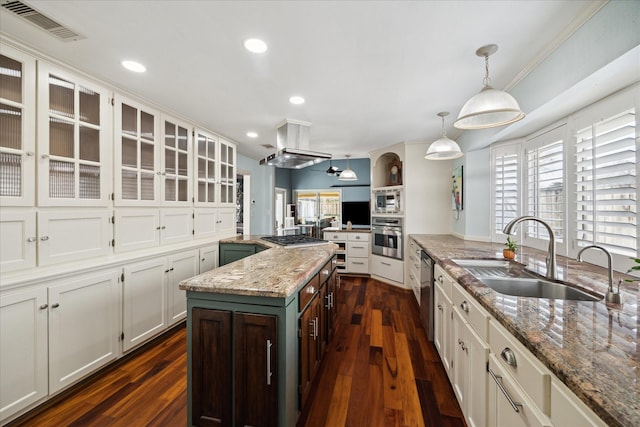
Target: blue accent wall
315, 178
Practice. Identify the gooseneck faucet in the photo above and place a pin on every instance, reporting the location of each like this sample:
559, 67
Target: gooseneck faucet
613, 297
551, 253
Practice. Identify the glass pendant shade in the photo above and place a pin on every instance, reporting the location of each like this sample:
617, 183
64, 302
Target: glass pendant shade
443, 148
491, 107
348, 174
487, 109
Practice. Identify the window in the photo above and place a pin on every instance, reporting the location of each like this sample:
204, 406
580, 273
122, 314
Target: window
506, 202
606, 206
545, 184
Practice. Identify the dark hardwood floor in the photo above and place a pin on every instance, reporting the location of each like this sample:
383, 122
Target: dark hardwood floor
380, 370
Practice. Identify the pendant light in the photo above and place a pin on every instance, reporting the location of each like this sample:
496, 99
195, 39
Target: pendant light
491, 107
443, 148
347, 174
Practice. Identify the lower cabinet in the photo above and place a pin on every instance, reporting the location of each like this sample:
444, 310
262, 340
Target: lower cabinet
230, 252
388, 268
248, 388
310, 347
208, 258
181, 266
442, 336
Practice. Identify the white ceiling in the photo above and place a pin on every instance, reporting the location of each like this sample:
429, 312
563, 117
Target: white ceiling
373, 73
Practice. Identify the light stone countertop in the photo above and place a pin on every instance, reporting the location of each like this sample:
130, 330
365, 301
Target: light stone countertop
593, 347
276, 273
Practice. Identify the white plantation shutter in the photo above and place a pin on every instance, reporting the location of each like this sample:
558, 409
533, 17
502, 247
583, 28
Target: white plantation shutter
606, 200
506, 201
545, 184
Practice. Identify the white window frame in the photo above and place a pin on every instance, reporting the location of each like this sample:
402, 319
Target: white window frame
513, 147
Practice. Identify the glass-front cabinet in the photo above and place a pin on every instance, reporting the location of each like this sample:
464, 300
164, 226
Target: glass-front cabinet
74, 131
176, 162
205, 164
227, 172
136, 154
17, 127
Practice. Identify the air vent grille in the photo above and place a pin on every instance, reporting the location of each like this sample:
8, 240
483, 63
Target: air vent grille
40, 20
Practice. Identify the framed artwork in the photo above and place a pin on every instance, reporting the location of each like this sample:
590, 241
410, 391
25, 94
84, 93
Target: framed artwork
456, 189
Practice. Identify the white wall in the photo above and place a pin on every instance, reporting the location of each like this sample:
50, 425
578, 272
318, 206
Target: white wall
475, 218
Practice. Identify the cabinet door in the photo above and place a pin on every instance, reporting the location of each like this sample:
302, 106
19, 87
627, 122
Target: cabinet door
256, 370
176, 225
176, 162
74, 137
308, 330
230, 252
227, 177
211, 368
144, 301
136, 229
208, 258
459, 365
442, 328
181, 266
17, 128
84, 327
205, 169
205, 224
23, 350
226, 222
19, 240
73, 235
136, 154
477, 355
508, 404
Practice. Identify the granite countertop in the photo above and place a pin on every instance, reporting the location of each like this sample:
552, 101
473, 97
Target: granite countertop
593, 347
276, 273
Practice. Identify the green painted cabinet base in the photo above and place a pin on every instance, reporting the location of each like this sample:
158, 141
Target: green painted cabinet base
230, 252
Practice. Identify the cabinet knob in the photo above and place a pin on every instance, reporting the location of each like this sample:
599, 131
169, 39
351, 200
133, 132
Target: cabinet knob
440, 279
44, 238
464, 306
44, 156
56, 305
31, 239
440, 307
30, 153
509, 356
311, 290
44, 306
325, 272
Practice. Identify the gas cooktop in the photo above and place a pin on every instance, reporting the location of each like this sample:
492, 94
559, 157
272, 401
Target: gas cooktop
294, 240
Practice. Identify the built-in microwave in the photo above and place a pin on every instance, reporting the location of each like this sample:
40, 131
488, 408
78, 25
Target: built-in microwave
387, 201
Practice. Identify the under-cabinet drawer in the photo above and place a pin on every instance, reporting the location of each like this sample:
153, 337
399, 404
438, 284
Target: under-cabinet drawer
527, 370
471, 311
443, 279
308, 291
335, 237
358, 265
356, 249
325, 271
358, 237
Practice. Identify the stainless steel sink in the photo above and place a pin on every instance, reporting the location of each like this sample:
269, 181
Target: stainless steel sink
510, 278
537, 288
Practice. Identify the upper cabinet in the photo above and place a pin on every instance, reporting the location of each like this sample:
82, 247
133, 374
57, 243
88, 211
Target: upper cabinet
74, 135
215, 170
136, 154
17, 127
176, 162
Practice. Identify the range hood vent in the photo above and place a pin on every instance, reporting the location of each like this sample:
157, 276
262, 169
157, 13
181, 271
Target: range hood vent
40, 20
293, 147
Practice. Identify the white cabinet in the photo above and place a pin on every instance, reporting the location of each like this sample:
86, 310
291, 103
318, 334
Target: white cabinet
208, 258
74, 137
226, 222
442, 335
23, 350
137, 229
84, 327
19, 239
508, 404
214, 170
205, 223
358, 253
65, 235
17, 127
176, 162
227, 177
567, 409
176, 225
144, 301
136, 153
413, 264
388, 268
339, 239
181, 266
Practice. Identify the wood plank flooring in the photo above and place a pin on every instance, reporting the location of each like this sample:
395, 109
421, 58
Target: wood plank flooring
380, 370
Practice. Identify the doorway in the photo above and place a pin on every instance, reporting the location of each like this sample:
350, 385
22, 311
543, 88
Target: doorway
279, 207
243, 204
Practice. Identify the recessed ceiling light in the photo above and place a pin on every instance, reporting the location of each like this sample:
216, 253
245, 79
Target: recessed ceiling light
134, 66
252, 134
296, 100
255, 45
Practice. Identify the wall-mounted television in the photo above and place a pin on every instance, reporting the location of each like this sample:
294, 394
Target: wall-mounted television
358, 213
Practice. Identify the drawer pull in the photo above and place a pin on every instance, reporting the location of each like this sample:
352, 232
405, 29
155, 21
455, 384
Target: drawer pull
440, 307
269, 373
44, 306
464, 306
44, 238
357, 247
515, 405
440, 279
325, 272
357, 262
509, 356
385, 263
55, 305
311, 290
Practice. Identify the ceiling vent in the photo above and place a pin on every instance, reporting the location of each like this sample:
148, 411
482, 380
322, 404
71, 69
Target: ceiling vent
40, 20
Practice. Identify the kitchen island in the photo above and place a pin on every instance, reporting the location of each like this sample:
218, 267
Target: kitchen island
244, 333
591, 347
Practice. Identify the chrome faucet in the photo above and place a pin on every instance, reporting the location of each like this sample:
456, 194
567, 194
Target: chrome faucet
551, 252
613, 297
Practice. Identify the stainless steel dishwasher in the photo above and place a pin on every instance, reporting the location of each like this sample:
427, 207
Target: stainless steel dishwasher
426, 293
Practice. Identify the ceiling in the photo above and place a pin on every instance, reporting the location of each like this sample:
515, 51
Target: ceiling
373, 73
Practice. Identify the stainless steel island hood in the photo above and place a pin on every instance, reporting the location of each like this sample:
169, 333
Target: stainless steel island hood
293, 145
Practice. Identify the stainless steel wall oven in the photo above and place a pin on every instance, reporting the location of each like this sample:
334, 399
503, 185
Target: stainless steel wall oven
386, 234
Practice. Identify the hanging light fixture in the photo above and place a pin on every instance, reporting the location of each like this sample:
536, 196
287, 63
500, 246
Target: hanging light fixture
443, 148
347, 174
491, 107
